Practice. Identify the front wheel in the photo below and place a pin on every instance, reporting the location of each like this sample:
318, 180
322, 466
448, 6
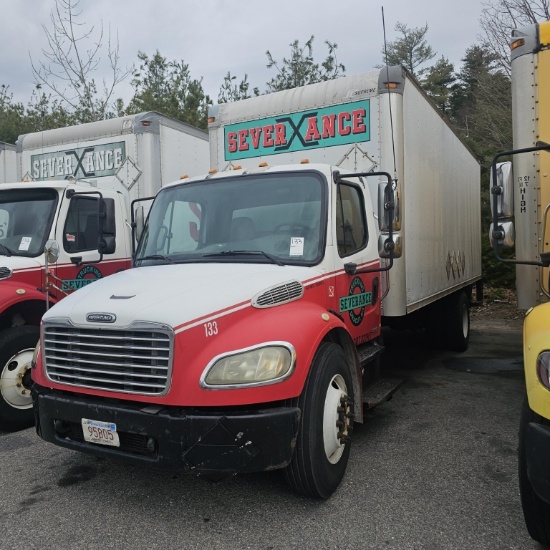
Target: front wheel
535, 510
16, 350
323, 445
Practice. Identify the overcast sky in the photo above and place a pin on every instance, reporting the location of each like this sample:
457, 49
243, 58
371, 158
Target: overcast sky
217, 36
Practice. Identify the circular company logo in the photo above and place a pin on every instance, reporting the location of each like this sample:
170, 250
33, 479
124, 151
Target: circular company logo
89, 272
357, 287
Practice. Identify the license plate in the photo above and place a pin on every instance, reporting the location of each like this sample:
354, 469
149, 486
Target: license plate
102, 433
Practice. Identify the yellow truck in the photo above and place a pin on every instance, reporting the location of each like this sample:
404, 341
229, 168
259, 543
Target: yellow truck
521, 218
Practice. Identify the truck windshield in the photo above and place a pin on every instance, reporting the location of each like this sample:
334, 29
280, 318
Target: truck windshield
26, 216
268, 218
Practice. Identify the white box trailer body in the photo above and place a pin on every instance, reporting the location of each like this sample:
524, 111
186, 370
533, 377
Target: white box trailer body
135, 154
401, 132
8, 163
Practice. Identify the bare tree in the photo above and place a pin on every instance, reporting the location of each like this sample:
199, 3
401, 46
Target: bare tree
500, 17
71, 59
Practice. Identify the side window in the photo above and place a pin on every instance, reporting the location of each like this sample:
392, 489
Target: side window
351, 224
82, 225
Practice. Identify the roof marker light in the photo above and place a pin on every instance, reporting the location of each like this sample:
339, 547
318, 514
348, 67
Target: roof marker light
517, 43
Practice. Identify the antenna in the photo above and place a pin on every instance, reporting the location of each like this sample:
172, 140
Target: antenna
389, 97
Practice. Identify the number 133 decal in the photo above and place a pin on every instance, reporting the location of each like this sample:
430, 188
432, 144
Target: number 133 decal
210, 329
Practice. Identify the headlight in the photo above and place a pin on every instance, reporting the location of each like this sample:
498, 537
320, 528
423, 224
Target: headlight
543, 368
266, 364
35, 355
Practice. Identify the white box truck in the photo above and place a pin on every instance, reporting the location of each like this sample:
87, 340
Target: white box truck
67, 173
248, 333
8, 166
381, 120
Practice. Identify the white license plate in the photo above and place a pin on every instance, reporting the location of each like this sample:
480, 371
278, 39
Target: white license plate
103, 433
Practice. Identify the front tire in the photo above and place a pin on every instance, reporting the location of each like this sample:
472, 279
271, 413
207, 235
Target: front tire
16, 350
535, 510
323, 444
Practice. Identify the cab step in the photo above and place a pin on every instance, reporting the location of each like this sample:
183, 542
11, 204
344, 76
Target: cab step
369, 352
382, 390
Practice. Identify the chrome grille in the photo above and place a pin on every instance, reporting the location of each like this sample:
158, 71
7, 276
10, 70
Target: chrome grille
5, 272
129, 361
280, 294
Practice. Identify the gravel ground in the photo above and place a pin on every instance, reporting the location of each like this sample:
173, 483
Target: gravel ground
499, 305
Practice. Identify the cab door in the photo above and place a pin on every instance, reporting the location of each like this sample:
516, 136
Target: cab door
357, 294
77, 233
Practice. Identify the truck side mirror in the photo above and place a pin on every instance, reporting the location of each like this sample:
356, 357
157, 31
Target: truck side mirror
140, 222
385, 196
107, 216
107, 245
107, 224
503, 188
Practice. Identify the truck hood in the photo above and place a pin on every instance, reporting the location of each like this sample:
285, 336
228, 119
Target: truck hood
174, 294
17, 263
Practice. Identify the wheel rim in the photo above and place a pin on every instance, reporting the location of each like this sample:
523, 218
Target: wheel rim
11, 381
336, 419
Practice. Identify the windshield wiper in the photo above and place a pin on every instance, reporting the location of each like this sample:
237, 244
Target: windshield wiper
158, 257
271, 258
5, 250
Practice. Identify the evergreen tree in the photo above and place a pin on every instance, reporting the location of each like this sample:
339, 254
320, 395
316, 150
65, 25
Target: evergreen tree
230, 91
438, 83
481, 109
167, 87
411, 50
40, 114
301, 69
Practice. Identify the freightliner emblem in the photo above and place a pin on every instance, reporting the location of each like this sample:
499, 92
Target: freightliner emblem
100, 318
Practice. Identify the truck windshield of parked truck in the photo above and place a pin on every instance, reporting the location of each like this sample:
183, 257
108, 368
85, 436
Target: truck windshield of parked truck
25, 219
269, 219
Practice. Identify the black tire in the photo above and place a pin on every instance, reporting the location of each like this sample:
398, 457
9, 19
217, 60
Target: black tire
457, 322
321, 456
16, 348
535, 511
434, 321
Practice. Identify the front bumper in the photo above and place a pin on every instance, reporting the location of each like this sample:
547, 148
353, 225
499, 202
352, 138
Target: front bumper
537, 448
213, 443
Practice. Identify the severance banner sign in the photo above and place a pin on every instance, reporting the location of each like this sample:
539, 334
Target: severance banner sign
325, 127
81, 162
